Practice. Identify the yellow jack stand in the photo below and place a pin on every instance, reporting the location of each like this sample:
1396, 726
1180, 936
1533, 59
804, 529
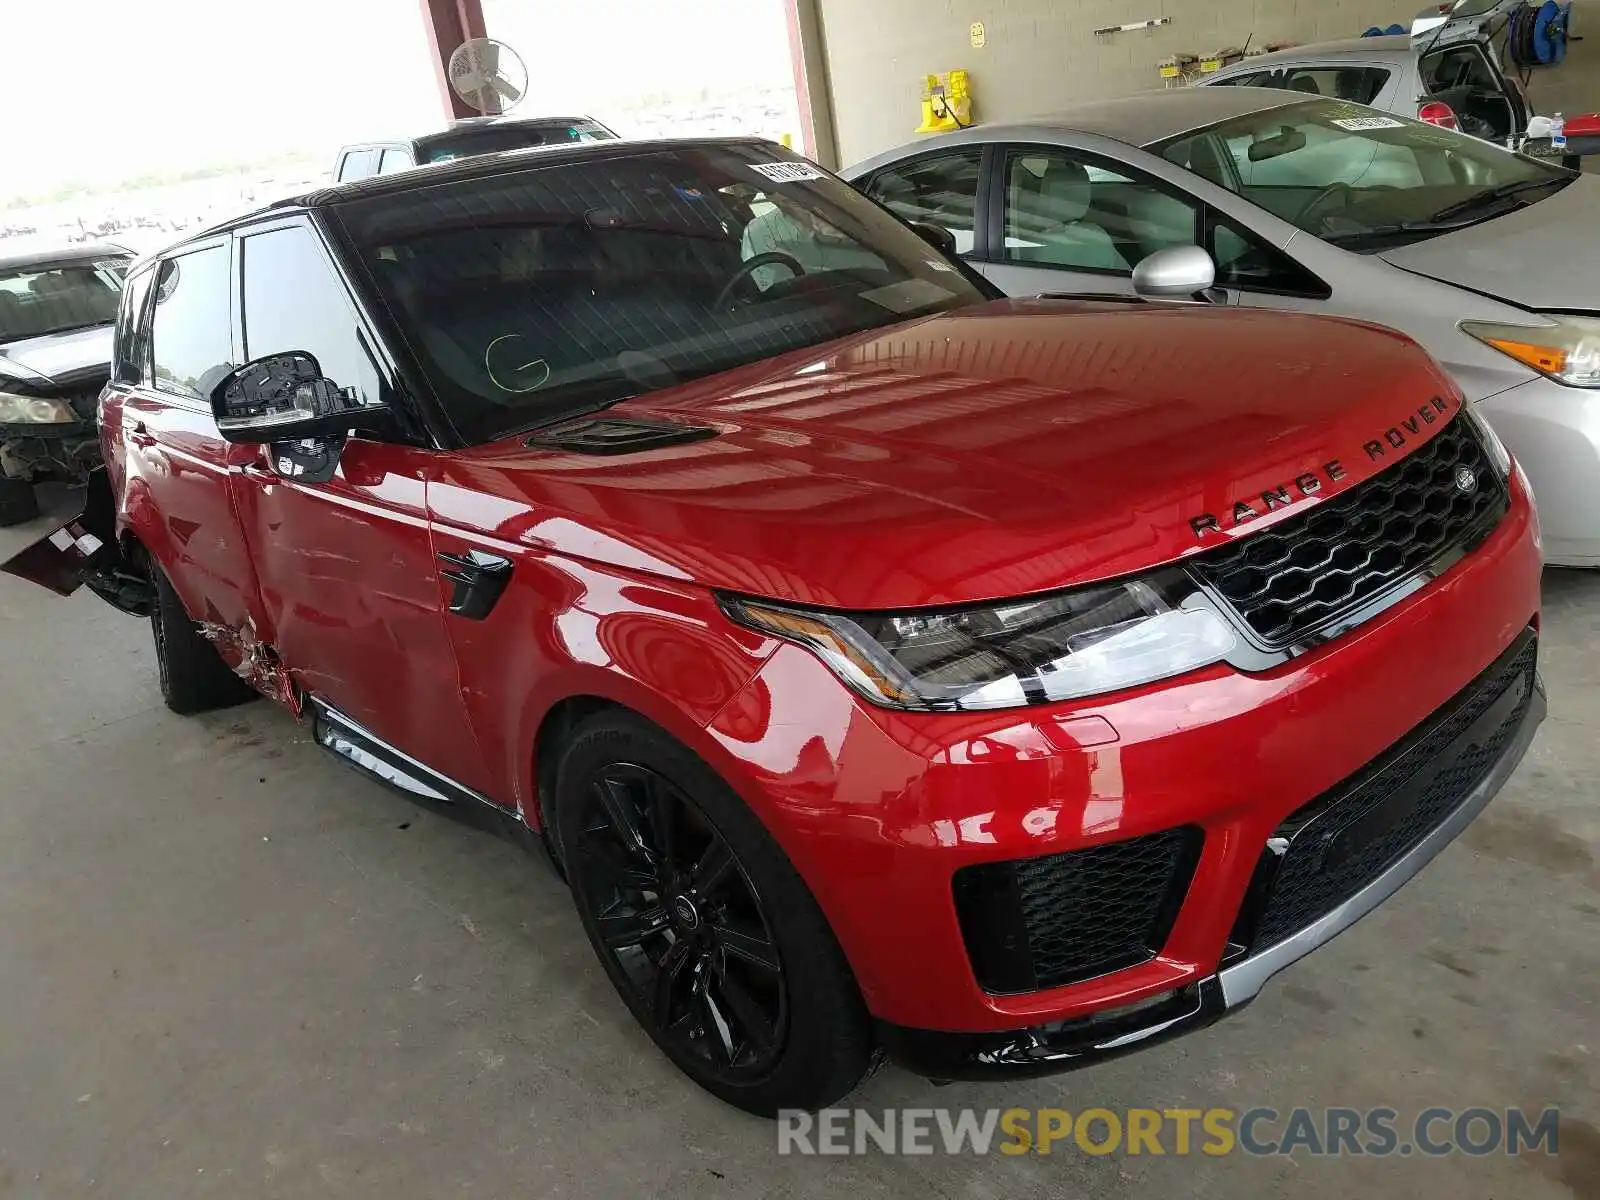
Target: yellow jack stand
946, 103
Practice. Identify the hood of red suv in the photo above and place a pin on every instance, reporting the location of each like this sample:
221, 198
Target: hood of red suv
1013, 448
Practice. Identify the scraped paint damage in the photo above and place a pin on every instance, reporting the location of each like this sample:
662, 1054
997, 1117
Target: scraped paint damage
254, 661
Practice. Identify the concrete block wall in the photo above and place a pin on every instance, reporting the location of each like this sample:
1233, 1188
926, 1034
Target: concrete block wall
1040, 55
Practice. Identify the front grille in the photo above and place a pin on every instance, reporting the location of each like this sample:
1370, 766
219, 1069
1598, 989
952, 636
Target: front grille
1043, 922
1343, 840
1300, 576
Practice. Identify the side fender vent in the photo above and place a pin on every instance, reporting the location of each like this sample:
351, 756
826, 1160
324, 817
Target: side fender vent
617, 435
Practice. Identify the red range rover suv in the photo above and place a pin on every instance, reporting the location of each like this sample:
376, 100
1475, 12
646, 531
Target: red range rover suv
888, 667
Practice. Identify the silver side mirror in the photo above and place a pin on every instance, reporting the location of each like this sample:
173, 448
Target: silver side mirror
1176, 273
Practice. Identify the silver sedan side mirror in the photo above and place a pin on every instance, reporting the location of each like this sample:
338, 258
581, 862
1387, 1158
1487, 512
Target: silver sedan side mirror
1176, 273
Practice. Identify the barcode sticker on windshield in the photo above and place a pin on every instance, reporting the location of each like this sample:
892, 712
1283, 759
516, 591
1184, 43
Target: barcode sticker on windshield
787, 172
1357, 123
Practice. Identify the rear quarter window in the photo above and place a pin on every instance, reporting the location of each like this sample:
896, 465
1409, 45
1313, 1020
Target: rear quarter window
130, 348
1359, 85
358, 164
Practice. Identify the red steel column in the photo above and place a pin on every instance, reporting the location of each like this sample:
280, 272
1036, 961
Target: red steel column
808, 58
448, 23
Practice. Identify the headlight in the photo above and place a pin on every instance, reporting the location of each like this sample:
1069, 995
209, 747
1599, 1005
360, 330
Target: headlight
1567, 350
1499, 456
1030, 651
32, 410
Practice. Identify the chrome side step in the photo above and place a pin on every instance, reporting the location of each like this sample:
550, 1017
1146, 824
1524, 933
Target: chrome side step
369, 753
377, 759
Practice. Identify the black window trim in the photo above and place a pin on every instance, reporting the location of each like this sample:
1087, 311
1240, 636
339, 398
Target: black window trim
1002, 153
415, 426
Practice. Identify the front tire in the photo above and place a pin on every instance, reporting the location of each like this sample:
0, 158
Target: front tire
18, 502
703, 926
194, 679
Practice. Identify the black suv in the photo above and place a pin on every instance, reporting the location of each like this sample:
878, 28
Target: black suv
471, 135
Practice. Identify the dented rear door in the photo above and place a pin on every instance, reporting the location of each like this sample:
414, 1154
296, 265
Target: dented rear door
162, 441
348, 579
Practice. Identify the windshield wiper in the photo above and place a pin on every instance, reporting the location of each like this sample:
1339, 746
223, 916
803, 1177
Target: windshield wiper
1495, 195
560, 415
1413, 229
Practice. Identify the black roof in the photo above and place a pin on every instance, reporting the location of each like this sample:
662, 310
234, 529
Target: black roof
506, 162
88, 252
470, 125
477, 166
466, 125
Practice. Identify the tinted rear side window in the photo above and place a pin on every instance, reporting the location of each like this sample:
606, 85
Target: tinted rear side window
130, 351
1359, 85
189, 333
1254, 79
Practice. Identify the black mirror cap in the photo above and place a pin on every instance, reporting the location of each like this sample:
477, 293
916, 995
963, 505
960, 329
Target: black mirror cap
937, 236
284, 397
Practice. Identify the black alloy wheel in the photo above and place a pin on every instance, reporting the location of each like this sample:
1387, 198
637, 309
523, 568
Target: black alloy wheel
681, 922
703, 925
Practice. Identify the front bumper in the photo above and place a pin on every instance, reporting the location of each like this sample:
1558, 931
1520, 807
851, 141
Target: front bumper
1554, 432
1045, 1049
882, 812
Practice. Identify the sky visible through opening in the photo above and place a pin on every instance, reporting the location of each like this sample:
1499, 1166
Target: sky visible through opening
97, 91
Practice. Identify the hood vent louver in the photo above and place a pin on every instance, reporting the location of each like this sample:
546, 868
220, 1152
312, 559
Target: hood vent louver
616, 435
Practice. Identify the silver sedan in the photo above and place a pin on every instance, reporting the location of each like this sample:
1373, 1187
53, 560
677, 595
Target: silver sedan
1489, 259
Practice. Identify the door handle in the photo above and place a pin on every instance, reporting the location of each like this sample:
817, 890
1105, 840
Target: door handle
140, 436
477, 582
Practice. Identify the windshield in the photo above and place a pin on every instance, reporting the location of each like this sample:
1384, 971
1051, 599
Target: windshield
1359, 178
492, 139
566, 286
46, 298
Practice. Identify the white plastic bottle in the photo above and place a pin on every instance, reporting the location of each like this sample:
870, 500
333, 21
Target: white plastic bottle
1558, 132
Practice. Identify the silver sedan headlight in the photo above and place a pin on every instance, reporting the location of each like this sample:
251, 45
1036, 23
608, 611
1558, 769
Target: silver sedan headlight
34, 410
1030, 651
1567, 350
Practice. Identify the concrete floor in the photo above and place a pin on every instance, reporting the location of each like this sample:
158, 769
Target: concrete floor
232, 967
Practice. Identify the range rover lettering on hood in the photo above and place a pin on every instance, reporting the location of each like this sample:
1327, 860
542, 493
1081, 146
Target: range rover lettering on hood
1252, 508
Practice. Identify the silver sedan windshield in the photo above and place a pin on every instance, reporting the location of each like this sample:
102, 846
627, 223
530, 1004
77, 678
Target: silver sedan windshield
1361, 178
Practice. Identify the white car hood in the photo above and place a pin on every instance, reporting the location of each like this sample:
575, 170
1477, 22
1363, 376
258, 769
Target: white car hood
1544, 257
56, 354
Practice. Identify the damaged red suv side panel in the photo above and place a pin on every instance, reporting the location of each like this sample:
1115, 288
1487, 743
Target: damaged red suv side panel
888, 666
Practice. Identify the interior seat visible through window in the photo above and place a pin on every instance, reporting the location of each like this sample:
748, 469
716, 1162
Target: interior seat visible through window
1049, 202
